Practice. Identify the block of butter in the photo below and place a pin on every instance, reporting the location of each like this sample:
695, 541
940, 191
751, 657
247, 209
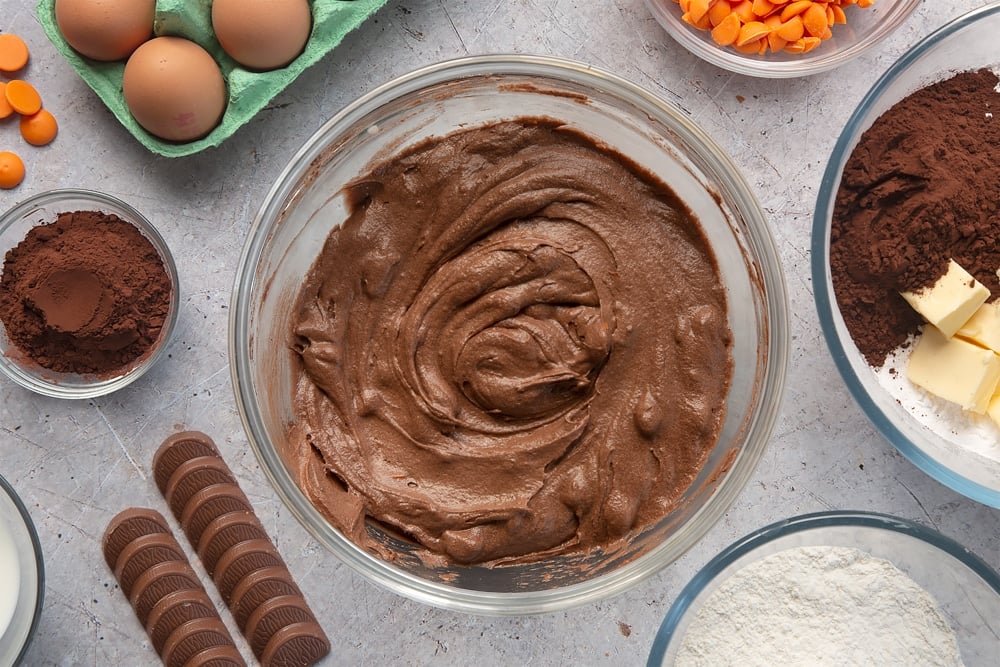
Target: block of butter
951, 301
983, 328
954, 369
993, 410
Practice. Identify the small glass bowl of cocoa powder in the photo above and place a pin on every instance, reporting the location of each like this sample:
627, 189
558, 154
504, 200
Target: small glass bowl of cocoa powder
912, 183
88, 294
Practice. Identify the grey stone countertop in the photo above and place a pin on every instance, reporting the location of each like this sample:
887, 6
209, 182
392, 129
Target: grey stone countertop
76, 464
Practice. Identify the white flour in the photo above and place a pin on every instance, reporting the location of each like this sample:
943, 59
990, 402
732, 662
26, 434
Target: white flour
819, 606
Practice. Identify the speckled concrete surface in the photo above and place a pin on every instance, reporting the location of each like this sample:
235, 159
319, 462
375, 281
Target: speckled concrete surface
76, 464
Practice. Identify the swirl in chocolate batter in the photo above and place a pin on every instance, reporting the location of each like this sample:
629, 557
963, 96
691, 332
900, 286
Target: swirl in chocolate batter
516, 346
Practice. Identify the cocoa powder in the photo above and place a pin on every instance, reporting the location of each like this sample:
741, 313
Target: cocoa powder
921, 187
85, 294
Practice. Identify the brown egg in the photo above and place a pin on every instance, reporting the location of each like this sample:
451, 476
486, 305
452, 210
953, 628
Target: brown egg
105, 29
262, 34
174, 89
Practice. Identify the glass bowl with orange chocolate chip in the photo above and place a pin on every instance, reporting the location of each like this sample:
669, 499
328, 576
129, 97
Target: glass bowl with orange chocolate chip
905, 259
779, 38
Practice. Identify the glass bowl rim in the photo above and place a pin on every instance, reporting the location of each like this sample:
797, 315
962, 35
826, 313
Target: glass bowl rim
802, 523
747, 65
775, 306
822, 278
38, 384
36, 546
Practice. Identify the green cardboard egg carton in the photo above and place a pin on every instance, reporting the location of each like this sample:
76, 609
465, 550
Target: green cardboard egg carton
249, 91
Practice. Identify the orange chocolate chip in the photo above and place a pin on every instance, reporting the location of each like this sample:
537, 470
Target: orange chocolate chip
718, 12
23, 97
728, 30
39, 128
791, 30
6, 109
697, 9
13, 52
795, 8
751, 32
11, 170
758, 26
814, 20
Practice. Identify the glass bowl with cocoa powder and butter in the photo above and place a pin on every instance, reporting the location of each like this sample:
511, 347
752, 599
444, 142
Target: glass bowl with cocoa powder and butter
906, 250
88, 294
509, 334
779, 38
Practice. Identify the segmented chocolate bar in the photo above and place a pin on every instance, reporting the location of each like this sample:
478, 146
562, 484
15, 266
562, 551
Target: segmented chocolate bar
296, 644
237, 552
177, 449
126, 526
166, 594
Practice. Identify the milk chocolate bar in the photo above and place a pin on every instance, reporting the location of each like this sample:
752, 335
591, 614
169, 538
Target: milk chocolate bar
237, 552
165, 592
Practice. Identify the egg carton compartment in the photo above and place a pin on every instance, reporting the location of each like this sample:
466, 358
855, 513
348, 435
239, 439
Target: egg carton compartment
248, 91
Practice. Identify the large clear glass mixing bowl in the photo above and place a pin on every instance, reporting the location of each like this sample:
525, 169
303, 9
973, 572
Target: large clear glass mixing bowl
306, 204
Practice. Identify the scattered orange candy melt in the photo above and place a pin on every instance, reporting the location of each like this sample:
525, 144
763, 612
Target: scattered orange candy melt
11, 170
5, 108
759, 26
38, 126
23, 97
13, 52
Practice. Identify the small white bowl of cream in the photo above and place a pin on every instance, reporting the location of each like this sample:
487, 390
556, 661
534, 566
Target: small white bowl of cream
22, 577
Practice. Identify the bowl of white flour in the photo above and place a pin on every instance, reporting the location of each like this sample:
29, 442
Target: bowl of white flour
836, 588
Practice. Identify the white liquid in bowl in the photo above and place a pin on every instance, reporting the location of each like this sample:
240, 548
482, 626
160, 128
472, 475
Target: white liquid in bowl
10, 577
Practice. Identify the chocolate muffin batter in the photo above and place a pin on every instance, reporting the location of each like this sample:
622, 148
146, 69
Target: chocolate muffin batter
516, 346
